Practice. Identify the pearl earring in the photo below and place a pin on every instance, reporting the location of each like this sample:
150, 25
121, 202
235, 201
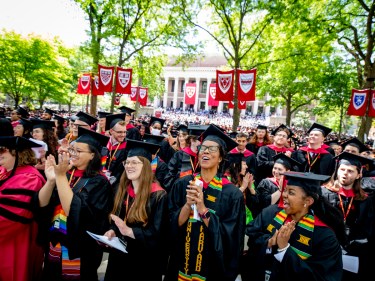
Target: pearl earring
304, 205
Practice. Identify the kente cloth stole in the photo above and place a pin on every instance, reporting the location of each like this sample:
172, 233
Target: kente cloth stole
154, 164
194, 265
70, 269
304, 231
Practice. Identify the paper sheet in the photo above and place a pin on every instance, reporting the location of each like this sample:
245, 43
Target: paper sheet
350, 263
114, 242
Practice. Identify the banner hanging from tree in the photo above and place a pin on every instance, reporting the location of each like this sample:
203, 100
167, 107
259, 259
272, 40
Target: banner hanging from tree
123, 80
190, 89
358, 102
240, 105
84, 82
105, 77
371, 110
246, 84
143, 94
95, 87
133, 93
212, 95
224, 85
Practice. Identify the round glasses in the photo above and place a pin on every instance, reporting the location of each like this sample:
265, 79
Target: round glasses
131, 163
211, 149
74, 152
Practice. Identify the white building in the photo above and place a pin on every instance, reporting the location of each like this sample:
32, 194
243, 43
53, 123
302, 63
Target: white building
203, 73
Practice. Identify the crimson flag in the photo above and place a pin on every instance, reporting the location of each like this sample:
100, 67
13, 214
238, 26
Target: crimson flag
143, 94
190, 89
240, 105
105, 77
123, 80
224, 85
371, 111
84, 82
133, 93
95, 87
358, 102
246, 84
212, 95
117, 99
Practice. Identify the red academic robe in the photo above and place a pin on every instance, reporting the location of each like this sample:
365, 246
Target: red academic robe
21, 258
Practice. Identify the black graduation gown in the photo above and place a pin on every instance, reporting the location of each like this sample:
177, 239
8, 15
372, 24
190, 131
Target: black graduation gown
147, 253
91, 205
360, 226
325, 262
115, 157
166, 151
265, 189
324, 165
265, 163
223, 238
161, 171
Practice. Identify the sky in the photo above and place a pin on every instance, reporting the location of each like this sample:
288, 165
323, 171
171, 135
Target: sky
47, 18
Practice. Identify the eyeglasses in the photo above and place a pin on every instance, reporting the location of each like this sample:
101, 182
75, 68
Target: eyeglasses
131, 163
74, 152
120, 132
281, 136
211, 149
3, 149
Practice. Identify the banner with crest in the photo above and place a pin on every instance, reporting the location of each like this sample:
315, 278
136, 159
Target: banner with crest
190, 89
84, 82
105, 77
246, 84
212, 95
95, 87
371, 110
133, 93
143, 94
224, 85
123, 80
240, 105
358, 102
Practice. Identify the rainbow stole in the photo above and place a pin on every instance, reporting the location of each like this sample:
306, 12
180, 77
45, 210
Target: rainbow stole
154, 164
59, 220
304, 230
194, 266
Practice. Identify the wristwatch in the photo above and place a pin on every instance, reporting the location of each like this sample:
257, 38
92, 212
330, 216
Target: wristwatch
205, 215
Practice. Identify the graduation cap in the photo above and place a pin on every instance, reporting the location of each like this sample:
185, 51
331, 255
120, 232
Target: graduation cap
282, 126
112, 119
182, 128
356, 143
233, 135
18, 143
140, 148
103, 114
318, 127
44, 124
288, 162
156, 119
26, 123
310, 182
87, 118
213, 133
22, 111
153, 139
59, 118
92, 138
6, 128
348, 158
49, 111
332, 142
235, 158
262, 127
126, 110
197, 130
145, 123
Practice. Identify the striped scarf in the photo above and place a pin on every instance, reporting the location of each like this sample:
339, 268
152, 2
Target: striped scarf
70, 268
304, 230
154, 164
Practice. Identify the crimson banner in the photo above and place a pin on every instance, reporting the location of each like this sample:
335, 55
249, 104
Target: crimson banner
143, 94
84, 82
95, 87
246, 84
224, 85
133, 93
117, 99
212, 95
358, 102
371, 111
123, 80
105, 77
241, 104
190, 89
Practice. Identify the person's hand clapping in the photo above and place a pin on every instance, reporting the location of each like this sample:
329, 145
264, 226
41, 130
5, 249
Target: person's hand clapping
64, 165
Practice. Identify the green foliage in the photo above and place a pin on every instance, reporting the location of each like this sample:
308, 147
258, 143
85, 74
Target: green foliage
302, 120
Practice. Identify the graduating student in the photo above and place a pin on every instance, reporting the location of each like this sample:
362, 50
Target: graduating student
301, 240
207, 217
116, 152
76, 197
47, 114
60, 126
100, 128
259, 139
357, 208
139, 218
81, 119
21, 256
19, 113
22, 128
313, 157
132, 132
267, 152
